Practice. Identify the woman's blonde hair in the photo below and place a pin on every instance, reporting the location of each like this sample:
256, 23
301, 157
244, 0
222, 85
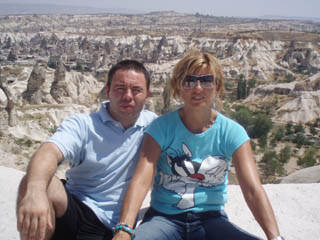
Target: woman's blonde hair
191, 64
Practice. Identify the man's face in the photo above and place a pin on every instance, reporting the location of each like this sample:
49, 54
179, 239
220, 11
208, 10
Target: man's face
127, 95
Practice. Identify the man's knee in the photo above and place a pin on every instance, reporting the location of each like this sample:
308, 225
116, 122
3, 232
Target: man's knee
21, 190
57, 196
22, 186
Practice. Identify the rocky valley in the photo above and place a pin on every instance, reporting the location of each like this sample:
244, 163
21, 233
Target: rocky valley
56, 65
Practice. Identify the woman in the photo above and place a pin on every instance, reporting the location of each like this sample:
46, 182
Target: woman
186, 154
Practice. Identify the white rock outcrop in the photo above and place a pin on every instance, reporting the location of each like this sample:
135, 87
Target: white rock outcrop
305, 175
302, 109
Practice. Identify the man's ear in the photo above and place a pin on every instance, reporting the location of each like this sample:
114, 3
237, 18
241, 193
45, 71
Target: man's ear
148, 93
107, 91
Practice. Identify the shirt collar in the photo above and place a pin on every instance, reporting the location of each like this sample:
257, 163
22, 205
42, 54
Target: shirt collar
104, 114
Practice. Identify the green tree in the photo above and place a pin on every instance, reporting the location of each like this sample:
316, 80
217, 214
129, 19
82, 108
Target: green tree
263, 141
242, 88
299, 129
279, 133
262, 124
273, 142
309, 157
270, 164
284, 155
239, 89
300, 139
289, 127
313, 131
277, 136
244, 117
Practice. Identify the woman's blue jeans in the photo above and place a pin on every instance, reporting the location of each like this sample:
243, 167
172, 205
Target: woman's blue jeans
213, 225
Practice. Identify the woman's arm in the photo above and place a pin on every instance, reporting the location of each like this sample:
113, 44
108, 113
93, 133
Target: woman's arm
253, 191
140, 184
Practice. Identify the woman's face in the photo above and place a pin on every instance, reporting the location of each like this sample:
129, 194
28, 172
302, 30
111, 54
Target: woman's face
197, 91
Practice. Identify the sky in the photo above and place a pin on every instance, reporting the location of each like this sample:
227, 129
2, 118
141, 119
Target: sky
230, 8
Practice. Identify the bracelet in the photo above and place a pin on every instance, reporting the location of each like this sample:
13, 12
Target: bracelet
123, 227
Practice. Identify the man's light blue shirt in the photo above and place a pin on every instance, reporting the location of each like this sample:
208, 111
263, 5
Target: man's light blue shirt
102, 156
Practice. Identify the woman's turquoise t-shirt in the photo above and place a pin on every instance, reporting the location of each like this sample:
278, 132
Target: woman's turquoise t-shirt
192, 171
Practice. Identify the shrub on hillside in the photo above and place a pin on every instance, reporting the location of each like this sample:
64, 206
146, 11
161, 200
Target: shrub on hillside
270, 164
262, 124
279, 133
243, 116
309, 157
285, 153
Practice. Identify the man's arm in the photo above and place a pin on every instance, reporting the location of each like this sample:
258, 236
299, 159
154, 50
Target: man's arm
253, 191
33, 206
140, 184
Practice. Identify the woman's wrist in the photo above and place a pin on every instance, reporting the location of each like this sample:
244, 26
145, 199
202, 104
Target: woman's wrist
123, 227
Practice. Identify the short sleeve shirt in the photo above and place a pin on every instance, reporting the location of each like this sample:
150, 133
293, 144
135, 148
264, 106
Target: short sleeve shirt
192, 168
102, 157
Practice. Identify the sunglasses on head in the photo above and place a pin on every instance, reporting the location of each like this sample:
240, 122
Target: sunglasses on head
206, 81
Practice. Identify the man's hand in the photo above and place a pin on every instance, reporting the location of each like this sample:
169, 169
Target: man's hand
34, 215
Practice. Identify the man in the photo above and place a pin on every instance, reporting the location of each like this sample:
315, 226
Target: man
102, 149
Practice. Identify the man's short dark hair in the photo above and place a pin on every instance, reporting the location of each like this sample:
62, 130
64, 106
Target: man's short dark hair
129, 65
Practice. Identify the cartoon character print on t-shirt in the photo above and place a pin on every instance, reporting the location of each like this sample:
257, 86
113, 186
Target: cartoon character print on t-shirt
188, 175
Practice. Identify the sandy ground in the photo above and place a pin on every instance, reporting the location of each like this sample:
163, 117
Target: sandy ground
296, 207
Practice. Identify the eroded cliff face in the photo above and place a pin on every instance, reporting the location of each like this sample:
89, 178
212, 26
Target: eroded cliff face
78, 78
300, 99
36, 92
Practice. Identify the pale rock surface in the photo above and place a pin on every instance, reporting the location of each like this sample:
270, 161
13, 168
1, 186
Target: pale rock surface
304, 108
44, 116
296, 207
9, 182
305, 175
265, 91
